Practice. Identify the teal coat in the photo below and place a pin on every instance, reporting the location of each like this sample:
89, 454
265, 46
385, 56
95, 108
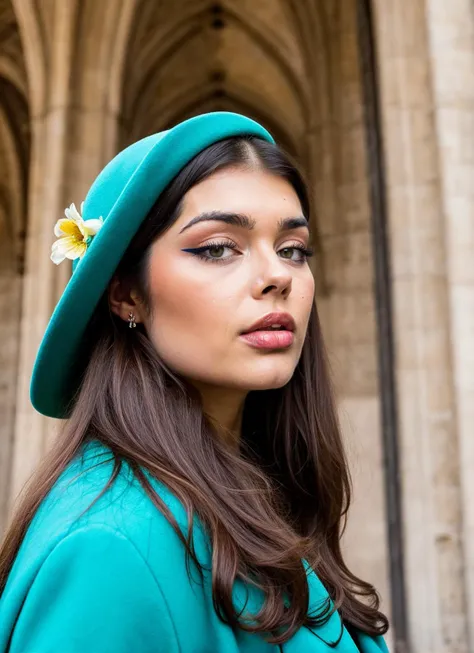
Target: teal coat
114, 580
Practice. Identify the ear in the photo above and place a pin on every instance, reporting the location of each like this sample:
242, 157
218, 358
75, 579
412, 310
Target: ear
123, 300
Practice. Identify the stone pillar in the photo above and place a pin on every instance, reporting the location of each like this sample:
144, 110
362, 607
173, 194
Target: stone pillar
451, 35
73, 135
428, 429
10, 294
348, 309
14, 150
42, 280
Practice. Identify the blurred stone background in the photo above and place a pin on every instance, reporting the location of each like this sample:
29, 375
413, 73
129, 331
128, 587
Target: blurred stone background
376, 101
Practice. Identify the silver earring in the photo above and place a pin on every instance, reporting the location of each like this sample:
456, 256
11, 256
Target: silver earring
131, 320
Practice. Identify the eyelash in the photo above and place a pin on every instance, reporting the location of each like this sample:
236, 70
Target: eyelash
198, 251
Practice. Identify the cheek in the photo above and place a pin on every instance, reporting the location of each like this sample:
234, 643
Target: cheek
304, 295
190, 315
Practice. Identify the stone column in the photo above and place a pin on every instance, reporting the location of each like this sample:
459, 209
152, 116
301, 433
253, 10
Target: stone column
10, 293
428, 429
73, 135
451, 35
348, 309
42, 280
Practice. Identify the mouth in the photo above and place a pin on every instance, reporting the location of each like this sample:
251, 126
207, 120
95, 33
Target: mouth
273, 331
272, 322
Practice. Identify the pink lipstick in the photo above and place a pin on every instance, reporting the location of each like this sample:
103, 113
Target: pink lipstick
272, 331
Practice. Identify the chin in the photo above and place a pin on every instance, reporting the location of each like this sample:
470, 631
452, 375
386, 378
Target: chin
272, 377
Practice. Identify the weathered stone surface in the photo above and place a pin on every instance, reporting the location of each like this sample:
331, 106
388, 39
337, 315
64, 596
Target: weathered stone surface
86, 78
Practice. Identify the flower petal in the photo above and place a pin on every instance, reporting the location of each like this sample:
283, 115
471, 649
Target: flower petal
72, 213
68, 247
92, 226
57, 255
80, 224
67, 227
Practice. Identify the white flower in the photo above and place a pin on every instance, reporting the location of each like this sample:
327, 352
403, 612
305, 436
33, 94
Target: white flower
74, 235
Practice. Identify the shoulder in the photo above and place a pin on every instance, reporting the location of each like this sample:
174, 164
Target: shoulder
80, 502
93, 589
94, 547
93, 491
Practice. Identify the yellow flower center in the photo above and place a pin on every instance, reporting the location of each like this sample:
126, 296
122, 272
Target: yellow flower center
71, 228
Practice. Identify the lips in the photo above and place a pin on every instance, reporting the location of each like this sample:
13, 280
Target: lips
273, 322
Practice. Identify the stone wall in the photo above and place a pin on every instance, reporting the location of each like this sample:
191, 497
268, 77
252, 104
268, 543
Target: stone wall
92, 76
430, 435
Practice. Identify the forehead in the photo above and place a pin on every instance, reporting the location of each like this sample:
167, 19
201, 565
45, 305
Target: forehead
248, 191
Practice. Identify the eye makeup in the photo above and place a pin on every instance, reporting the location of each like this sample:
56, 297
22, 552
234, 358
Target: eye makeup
221, 244
303, 252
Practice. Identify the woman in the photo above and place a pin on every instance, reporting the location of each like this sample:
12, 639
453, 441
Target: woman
195, 498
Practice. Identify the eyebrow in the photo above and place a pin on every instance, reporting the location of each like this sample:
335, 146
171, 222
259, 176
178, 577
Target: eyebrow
244, 221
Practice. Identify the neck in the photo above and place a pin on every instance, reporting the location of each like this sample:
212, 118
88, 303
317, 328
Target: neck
224, 408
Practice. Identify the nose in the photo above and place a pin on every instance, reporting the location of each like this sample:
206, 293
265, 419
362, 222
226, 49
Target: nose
274, 279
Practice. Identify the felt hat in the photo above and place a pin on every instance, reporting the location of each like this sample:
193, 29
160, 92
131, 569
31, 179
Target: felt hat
122, 195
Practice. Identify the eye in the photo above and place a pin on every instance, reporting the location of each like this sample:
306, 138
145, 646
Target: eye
213, 252
297, 253
216, 251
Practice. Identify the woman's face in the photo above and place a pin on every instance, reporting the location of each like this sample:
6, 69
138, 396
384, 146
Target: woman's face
212, 279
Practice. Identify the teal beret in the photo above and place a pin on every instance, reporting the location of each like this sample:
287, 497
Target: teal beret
122, 194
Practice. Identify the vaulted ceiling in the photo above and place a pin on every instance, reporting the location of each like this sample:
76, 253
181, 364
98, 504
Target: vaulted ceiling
151, 63
195, 55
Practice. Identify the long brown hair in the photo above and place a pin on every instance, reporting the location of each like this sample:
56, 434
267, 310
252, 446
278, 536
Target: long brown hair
281, 499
